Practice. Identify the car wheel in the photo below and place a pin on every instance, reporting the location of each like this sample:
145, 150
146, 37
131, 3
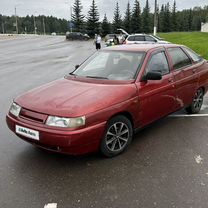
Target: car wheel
197, 102
117, 136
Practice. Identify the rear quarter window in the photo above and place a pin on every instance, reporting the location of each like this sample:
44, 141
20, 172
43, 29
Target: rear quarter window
195, 57
179, 58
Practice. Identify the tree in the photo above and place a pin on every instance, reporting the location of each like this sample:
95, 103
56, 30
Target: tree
174, 18
93, 20
127, 19
77, 16
162, 18
167, 22
136, 18
105, 26
146, 21
117, 21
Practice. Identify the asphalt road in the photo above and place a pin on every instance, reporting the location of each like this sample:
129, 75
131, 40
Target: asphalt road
166, 166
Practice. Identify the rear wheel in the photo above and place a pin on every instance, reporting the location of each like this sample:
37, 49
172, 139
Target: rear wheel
197, 102
117, 137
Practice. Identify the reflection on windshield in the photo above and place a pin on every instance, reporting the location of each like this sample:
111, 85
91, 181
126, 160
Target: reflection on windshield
112, 65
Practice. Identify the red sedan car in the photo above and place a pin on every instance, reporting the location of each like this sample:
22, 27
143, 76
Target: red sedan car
113, 93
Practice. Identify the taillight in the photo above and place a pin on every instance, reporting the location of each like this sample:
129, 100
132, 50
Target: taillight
124, 42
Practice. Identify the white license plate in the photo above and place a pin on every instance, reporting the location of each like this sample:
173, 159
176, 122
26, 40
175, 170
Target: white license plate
32, 134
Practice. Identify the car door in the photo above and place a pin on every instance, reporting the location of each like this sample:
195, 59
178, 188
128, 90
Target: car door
185, 78
156, 97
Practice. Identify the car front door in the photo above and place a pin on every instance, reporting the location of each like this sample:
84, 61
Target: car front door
156, 97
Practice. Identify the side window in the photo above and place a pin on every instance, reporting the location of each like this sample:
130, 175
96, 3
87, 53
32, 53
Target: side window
149, 38
131, 38
158, 62
139, 38
193, 55
179, 58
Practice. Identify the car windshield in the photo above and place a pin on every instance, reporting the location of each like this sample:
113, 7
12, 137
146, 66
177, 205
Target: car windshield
112, 65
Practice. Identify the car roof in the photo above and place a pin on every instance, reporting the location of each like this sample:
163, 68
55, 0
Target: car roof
139, 47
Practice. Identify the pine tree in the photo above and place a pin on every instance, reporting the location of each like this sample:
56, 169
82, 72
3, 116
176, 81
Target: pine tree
117, 21
167, 22
77, 16
162, 18
136, 18
190, 19
174, 18
127, 19
93, 20
146, 18
105, 26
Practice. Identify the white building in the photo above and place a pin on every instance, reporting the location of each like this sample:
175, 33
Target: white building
204, 27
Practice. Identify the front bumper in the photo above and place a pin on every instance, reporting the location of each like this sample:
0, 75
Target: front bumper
69, 142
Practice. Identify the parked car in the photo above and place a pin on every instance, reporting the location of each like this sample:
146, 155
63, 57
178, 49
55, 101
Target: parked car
110, 39
76, 36
115, 92
143, 38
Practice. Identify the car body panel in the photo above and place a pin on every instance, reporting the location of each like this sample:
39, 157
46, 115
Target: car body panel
74, 98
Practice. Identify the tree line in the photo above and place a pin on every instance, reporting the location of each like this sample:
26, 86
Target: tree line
134, 20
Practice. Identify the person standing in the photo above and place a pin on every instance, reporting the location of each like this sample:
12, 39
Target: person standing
97, 42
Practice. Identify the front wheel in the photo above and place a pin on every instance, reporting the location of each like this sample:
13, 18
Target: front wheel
197, 102
117, 137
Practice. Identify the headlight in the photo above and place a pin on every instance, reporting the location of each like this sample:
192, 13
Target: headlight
15, 109
65, 122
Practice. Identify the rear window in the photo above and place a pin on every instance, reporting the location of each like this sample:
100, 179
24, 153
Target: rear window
179, 58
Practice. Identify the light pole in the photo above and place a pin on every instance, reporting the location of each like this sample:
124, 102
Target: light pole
2, 25
70, 19
35, 28
16, 22
44, 30
155, 18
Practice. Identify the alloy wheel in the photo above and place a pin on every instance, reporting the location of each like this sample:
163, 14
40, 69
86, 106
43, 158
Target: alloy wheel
198, 100
117, 136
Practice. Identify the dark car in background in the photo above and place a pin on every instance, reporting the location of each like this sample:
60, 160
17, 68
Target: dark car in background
76, 36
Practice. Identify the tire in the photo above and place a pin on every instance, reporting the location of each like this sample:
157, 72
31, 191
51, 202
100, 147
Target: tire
117, 136
197, 102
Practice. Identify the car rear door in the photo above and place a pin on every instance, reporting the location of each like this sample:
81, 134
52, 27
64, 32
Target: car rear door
156, 97
185, 77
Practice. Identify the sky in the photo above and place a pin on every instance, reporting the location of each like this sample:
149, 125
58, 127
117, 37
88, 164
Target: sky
61, 8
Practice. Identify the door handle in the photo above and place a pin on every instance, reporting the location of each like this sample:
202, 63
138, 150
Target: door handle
170, 80
194, 71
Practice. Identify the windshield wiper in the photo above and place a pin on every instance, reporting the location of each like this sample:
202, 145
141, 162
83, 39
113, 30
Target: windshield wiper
96, 77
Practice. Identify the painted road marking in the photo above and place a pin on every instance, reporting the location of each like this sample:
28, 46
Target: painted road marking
51, 205
189, 115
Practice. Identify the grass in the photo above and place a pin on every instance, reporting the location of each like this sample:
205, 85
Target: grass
197, 41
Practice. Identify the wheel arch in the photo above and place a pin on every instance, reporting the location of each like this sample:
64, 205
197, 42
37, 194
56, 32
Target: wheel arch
125, 114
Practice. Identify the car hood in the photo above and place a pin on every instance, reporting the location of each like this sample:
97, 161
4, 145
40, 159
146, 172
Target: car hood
70, 98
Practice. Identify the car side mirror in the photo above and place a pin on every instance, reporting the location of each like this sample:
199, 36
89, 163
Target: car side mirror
77, 66
152, 75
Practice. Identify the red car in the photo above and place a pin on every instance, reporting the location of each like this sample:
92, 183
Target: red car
113, 93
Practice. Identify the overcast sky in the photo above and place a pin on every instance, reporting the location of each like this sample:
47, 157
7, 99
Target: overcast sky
61, 8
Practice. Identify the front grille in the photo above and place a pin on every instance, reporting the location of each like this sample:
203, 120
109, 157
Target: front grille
32, 116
